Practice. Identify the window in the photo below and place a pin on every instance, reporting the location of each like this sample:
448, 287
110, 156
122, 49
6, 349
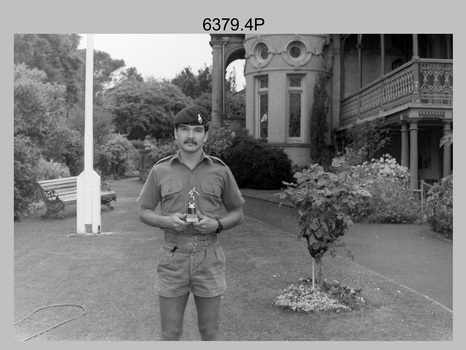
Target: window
296, 50
297, 54
263, 105
262, 52
295, 106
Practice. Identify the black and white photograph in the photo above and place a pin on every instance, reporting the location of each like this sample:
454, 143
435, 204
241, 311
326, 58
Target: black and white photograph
234, 178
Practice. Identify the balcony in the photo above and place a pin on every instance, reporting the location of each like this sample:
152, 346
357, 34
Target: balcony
422, 83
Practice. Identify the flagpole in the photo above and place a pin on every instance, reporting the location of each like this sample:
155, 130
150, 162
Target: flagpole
88, 218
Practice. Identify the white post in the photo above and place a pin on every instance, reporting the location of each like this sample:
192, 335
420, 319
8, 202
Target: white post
88, 186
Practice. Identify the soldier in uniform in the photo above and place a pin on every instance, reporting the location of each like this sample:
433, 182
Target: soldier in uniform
191, 259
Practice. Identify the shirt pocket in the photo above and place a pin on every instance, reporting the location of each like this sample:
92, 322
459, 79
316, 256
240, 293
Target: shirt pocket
170, 187
212, 195
171, 200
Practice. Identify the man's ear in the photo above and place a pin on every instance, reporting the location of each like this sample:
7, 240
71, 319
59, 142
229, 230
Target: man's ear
206, 136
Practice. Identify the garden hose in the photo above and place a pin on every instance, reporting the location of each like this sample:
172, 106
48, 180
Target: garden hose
59, 324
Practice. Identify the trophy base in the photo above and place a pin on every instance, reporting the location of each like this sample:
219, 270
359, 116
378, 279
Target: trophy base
192, 218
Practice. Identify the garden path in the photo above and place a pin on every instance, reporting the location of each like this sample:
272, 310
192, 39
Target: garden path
412, 255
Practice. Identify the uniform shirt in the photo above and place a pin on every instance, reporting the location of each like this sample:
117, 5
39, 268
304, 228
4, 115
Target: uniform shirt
170, 181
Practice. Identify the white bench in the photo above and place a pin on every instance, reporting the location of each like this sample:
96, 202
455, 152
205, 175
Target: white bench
57, 193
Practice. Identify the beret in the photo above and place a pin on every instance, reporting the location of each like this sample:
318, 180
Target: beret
194, 115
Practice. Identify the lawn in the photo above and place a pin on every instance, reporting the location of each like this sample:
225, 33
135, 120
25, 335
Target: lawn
112, 275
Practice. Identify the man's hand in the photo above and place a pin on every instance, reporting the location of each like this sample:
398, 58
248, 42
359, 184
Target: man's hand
176, 222
205, 225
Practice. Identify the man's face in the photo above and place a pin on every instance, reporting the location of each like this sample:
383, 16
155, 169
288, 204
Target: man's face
190, 138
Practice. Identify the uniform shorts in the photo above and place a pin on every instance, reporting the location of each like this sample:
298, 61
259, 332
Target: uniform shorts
190, 264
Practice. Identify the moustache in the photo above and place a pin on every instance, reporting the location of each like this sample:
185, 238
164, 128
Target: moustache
190, 141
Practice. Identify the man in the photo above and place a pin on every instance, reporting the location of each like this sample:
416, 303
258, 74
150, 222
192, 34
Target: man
191, 259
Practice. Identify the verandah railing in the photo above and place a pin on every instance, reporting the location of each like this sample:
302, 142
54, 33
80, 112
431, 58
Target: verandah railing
397, 90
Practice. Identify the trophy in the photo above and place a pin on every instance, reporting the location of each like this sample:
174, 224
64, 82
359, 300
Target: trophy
192, 212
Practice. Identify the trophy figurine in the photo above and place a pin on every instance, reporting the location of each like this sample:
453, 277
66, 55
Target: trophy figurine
192, 212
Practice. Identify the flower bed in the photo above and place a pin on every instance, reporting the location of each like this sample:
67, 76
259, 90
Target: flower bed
331, 297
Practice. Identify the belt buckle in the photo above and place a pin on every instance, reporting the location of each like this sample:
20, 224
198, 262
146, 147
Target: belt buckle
202, 238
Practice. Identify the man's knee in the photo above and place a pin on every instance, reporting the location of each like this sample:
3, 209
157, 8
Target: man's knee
173, 334
208, 333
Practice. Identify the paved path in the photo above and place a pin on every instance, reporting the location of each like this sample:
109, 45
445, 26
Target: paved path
409, 254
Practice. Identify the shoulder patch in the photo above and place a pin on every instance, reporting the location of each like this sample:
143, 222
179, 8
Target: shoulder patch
218, 160
164, 159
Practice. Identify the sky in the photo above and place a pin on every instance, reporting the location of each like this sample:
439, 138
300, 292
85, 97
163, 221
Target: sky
162, 56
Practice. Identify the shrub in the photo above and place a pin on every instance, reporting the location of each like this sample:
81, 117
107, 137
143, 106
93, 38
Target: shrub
221, 139
257, 166
159, 151
113, 157
26, 156
368, 139
392, 201
48, 170
138, 144
132, 164
74, 154
439, 207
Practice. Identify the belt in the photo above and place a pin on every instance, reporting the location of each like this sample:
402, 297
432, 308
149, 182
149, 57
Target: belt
210, 238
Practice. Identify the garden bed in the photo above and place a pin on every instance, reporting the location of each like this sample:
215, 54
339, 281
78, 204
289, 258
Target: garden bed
330, 297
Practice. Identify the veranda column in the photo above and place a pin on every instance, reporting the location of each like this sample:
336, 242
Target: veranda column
446, 150
413, 157
415, 46
382, 55
359, 47
416, 95
217, 81
404, 145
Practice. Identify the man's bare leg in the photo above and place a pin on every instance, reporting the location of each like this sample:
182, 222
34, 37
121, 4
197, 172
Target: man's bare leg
208, 316
171, 316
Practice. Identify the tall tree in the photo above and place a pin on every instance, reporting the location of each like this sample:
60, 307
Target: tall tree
318, 122
204, 79
187, 82
199, 88
145, 108
194, 85
38, 104
104, 69
56, 55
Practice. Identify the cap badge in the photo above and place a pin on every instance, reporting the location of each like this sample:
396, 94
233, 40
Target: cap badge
199, 119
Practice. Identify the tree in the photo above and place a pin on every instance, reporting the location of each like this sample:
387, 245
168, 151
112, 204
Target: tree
145, 108
107, 73
324, 202
131, 74
204, 78
56, 55
38, 104
26, 157
187, 82
318, 123
104, 70
367, 139
39, 109
235, 104
199, 88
